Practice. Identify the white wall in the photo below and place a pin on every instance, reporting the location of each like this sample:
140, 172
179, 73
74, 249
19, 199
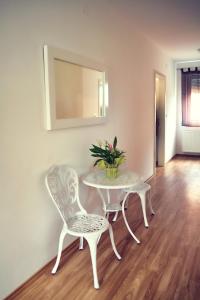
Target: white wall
30, 225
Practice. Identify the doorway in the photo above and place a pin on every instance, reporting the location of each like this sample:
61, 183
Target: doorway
159, 144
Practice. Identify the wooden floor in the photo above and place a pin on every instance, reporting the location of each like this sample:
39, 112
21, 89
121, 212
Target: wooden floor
166, 265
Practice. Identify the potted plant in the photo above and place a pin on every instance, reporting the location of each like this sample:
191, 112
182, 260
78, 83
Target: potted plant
109, 158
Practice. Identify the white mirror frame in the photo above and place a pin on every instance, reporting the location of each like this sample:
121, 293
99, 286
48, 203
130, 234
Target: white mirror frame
50, 54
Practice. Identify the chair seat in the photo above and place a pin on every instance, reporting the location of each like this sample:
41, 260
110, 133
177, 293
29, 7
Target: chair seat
113, 207
89, 223
143, 186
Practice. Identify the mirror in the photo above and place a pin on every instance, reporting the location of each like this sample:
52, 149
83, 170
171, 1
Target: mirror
76, 90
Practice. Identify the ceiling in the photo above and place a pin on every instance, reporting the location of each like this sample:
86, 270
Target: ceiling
172, 24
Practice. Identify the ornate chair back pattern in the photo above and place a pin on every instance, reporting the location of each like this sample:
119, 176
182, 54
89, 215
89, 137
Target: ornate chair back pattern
62, 184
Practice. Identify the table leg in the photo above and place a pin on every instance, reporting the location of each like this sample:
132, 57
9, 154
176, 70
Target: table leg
125, 220
108, 196
108, 201
102, 199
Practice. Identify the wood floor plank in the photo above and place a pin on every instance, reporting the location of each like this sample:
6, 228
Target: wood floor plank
165, 266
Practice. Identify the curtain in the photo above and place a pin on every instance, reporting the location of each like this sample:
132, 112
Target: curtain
190, 82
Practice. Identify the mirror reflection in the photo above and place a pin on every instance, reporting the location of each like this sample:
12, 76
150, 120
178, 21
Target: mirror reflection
78, 91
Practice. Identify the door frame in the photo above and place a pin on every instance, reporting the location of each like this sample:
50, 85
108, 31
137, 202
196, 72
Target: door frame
158, 74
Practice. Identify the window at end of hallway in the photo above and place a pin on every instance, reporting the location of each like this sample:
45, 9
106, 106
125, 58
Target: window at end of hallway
190, 84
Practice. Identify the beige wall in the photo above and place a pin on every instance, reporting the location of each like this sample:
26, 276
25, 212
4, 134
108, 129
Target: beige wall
30, 225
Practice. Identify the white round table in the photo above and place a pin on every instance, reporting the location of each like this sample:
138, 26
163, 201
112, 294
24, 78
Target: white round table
125, 179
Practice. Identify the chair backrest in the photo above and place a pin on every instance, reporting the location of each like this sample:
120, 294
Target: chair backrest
62, 185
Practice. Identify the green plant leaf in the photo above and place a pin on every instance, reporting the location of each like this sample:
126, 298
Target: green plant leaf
99, 156
115, 143
107, 155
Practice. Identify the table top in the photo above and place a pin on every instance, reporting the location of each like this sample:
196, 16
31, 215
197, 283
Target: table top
98, 179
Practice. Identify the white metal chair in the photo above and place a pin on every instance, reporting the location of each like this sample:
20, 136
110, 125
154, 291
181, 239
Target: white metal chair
62, 185
143, 189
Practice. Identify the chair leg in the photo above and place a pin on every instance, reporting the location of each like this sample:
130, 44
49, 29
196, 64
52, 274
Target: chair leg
125, 220
92, 242
61, 239
115, 217
113, 242
150, 203
81, 243
98, 239
143, 204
